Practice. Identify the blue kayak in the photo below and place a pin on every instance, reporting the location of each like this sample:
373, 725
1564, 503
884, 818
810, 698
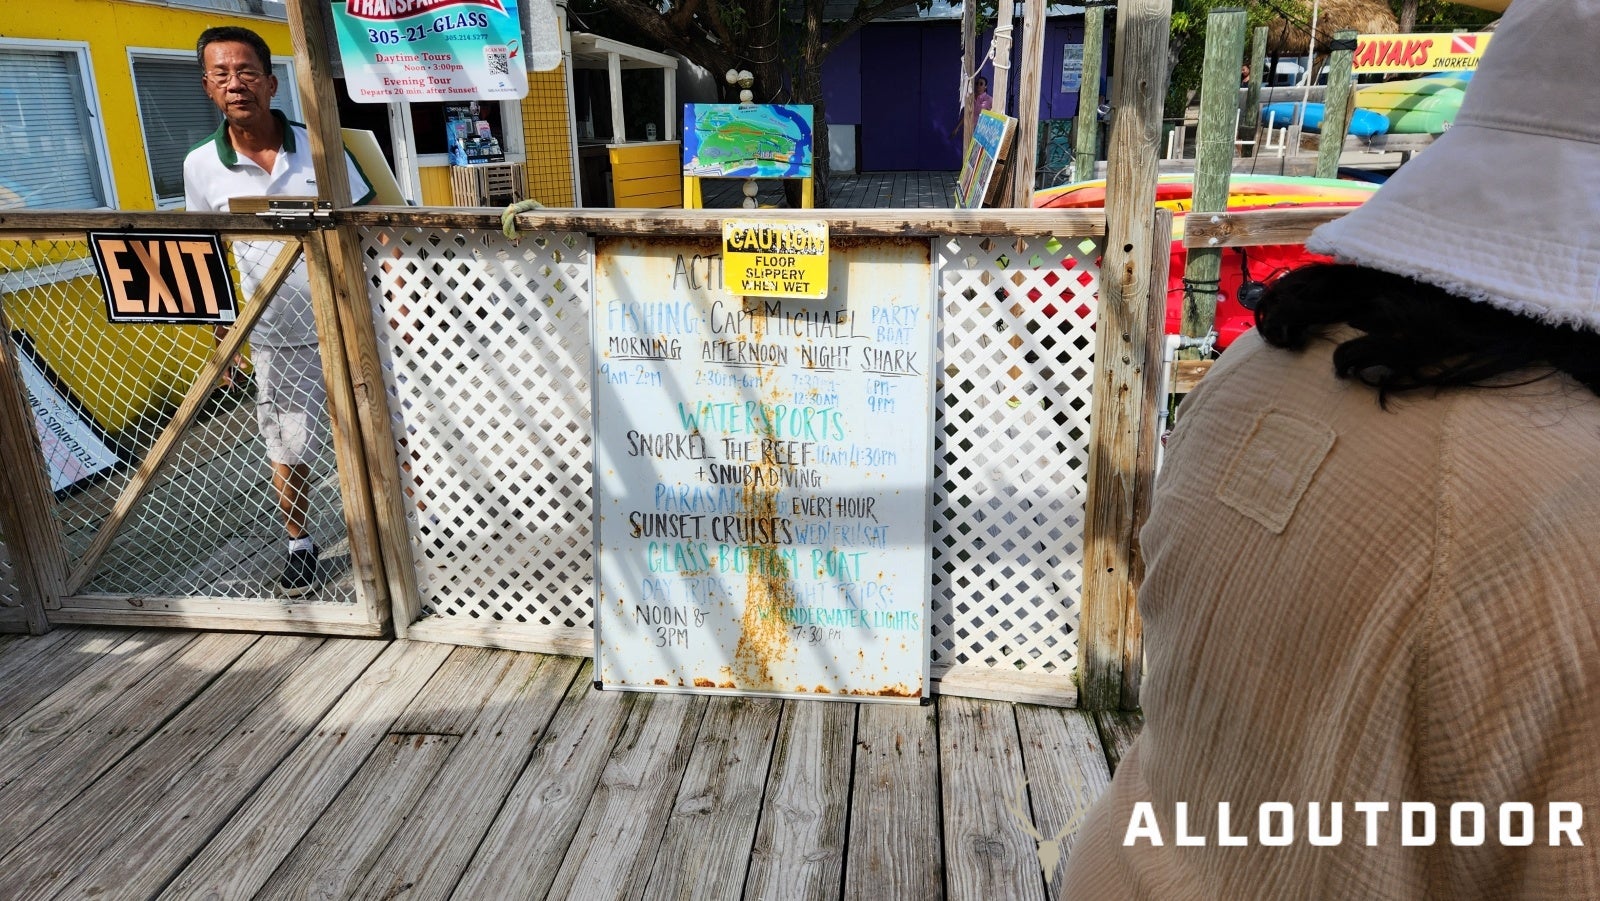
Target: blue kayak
1364, 124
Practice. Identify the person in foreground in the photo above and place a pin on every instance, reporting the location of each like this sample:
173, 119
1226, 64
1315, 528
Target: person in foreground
256, 152
1372, 602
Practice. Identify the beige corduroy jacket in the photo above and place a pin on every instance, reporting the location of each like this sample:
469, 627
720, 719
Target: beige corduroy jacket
1345, 604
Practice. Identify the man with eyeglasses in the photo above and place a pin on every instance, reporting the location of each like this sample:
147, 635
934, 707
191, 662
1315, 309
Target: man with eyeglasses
255, 152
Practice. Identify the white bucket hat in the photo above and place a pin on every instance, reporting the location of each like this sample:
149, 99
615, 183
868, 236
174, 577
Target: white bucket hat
1504, 207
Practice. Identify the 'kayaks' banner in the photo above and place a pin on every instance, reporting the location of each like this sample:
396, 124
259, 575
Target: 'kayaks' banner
1419, 52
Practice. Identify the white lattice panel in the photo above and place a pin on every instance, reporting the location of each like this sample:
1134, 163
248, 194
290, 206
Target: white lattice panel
1011, 459
487, 361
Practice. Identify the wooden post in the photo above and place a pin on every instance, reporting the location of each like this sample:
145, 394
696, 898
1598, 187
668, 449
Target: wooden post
1086, 131
378, 499
27, 508
1219, 101
1144, 469
1005, 15
1251, 116
1336, 104
1122, 361
1027, 140
969, 59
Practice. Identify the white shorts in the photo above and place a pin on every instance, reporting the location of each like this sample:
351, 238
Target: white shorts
291, 402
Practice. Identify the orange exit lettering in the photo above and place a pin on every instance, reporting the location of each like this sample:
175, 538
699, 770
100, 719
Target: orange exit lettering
169, 279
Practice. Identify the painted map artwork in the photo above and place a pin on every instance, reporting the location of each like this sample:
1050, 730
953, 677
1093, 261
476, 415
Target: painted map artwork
730, 140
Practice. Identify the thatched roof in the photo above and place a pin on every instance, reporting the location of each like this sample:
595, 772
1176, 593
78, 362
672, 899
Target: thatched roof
1290, 38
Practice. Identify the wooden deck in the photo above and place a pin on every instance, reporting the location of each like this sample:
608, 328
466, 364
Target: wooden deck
145, 764
867, 190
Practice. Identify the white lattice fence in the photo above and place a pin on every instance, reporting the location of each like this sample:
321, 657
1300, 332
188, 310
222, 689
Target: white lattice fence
1011, 465
487, 359
487, 364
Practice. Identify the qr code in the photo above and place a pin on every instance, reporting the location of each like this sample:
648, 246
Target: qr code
498, 60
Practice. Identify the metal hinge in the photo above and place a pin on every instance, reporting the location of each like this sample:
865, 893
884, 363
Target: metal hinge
298, 215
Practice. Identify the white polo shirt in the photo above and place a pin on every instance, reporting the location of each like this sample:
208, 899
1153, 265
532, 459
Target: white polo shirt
214, 172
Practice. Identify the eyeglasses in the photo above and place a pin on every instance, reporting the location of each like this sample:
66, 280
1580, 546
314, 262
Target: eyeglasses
247, 77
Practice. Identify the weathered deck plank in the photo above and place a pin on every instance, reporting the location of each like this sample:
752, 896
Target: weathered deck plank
1067, 771
35, 789
239, 860
1118, 729
82, 833
76, 704
277, 766
989, 852
32, 670
621, 829
201, 801
706, 849
467, 793
799, 849
342, 848
895, 849
524, 848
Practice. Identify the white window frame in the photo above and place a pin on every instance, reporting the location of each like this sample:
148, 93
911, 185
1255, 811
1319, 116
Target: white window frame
287, 89
511, 143
79, 50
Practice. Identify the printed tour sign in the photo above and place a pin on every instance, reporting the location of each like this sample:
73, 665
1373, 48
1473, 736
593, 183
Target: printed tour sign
776, 259
177, 277
413, 50
762, 474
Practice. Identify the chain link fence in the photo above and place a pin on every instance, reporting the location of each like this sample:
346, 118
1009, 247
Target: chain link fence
104, 394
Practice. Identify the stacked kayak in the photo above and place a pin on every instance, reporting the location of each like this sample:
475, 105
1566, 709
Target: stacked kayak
1416, 106
1245, 192
1364, 124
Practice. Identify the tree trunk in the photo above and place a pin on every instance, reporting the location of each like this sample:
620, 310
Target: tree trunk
1408, 15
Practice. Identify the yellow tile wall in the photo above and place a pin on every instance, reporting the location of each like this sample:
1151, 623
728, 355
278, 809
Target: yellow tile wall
547, 138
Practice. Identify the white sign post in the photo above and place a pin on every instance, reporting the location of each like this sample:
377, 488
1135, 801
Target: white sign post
763, 471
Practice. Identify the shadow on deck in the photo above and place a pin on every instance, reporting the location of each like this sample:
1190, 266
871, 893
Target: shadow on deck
142, 764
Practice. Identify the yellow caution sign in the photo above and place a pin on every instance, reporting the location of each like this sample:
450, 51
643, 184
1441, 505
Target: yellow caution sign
775, 259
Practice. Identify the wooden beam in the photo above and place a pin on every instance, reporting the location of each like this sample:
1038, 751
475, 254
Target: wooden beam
969, 60
69, 225
27, 506
145, 477
1255, 227
1336, 106
1086, 130
1027, 140
1250, 117
1121, 354
377, 499
1219, 99
894, 223
1005, 17
1144, 467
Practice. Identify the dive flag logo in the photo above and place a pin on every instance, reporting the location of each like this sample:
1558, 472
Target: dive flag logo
1464, 43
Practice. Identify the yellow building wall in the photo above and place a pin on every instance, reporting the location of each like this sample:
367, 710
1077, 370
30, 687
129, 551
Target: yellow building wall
76, 317
110, 27
436, 186
547, 138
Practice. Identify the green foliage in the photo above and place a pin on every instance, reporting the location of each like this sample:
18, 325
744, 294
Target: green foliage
1186, 48
1436, 15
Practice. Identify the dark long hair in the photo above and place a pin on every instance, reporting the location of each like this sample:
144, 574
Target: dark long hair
1417, 335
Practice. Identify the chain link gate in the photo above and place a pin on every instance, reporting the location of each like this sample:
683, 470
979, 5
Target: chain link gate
163, 500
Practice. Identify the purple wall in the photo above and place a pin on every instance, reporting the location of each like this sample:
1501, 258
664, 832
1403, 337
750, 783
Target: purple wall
900, 83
